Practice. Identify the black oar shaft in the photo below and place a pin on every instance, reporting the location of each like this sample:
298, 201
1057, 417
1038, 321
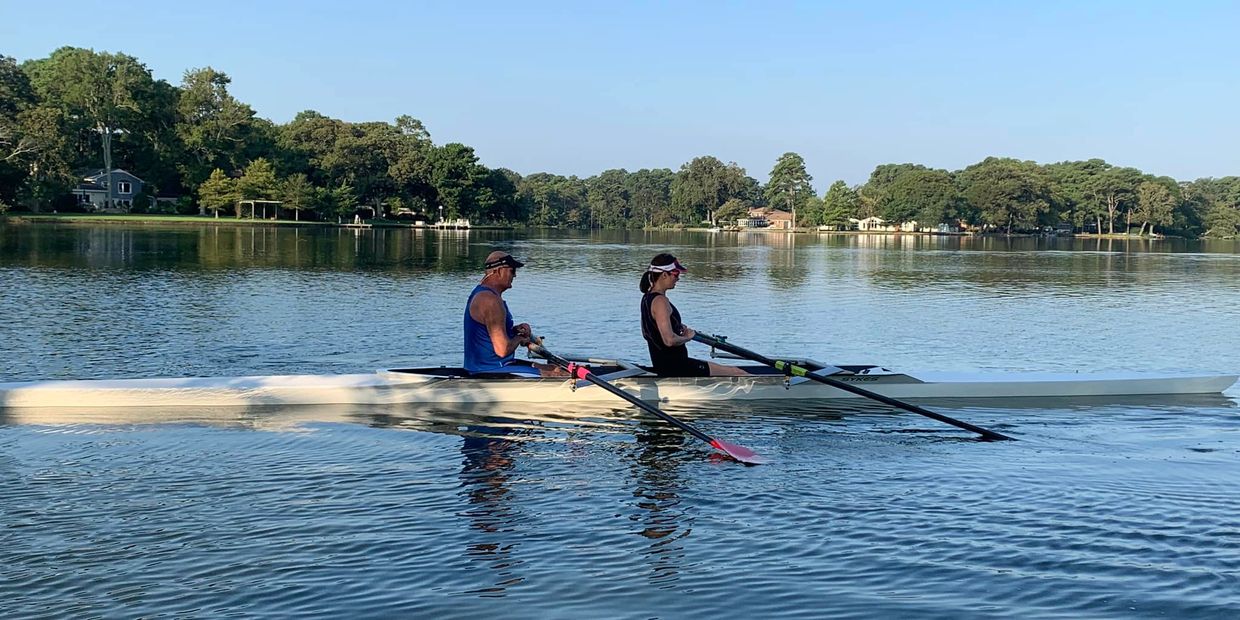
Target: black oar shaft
740, 453
641, 404
847, 387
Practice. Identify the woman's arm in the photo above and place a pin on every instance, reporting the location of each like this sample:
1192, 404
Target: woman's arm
661, 310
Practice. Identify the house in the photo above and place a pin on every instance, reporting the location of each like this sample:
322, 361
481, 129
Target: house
765, 217
92, 193
851, 224
756, 218
870, 224
779, 220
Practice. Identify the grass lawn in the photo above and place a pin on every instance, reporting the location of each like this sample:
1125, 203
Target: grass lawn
150, 218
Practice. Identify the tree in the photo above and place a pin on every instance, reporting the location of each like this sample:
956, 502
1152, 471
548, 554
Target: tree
16, 96
1221, 198
218, 192
1007, 193
458, 180
840, 203
732, 210
101, 90
498, 196
703, 185
607, 196
259, 181
923, 195
876, 193
789, 185
1155, 204
211, 123
151, 148
337, 201
17, 147
650, 195
1111, 190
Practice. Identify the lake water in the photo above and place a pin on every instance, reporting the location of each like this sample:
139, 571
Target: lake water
1120, 508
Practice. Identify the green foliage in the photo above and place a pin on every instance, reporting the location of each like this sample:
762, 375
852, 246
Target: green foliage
144, 202
650, 195
458, 181
258, 182
789, 187
1220, 204
909, 192
926, 196
502, 183
100, 95
211, 124
554, 200
876, 193
218, 192
705, 184
732, 210
185, 206
1155, 205
297, 193
607, 196
1007, 193
337, 202
58, 114
1111, 191
840, 203
21, 141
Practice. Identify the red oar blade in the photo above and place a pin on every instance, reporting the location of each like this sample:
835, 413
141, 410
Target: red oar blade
740, 453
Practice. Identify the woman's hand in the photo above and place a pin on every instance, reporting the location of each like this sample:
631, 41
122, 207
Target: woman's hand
687, 333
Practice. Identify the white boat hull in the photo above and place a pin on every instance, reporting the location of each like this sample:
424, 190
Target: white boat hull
391, 387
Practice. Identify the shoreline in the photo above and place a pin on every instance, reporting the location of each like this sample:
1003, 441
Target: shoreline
70, 219
198, 220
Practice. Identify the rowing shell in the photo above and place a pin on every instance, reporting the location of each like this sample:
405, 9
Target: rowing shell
452, 385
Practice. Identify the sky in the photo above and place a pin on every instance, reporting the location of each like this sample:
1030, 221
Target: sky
576, 88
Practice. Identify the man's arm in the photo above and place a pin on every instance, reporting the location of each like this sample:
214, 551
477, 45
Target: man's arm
487, 309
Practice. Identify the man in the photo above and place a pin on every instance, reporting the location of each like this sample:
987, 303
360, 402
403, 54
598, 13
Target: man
491, 339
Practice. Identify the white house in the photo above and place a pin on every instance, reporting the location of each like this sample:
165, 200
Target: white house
871, 223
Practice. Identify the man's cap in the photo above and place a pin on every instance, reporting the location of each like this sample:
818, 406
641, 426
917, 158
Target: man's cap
502, 259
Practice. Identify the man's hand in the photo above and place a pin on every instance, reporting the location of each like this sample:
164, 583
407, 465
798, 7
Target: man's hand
522, 330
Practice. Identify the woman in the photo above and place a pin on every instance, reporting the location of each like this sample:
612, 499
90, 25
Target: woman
661, 327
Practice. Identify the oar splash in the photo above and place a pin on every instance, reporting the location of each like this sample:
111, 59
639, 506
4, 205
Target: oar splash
739, 453
793, 369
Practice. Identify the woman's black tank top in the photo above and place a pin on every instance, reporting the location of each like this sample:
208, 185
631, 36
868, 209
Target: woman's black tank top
662, 357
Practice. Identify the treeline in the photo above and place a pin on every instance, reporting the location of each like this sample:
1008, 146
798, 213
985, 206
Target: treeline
79, 109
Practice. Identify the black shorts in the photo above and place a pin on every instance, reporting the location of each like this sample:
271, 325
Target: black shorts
688, 368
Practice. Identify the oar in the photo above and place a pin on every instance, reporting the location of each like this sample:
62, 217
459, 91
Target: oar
719, 343
740, 453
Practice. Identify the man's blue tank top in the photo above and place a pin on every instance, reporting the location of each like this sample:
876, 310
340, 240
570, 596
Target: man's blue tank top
479, 354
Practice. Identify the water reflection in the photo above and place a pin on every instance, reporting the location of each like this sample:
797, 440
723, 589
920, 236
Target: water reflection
657, 484
490, 454
224, 247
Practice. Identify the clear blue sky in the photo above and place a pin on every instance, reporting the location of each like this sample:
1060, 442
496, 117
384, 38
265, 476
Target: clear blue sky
578, 87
